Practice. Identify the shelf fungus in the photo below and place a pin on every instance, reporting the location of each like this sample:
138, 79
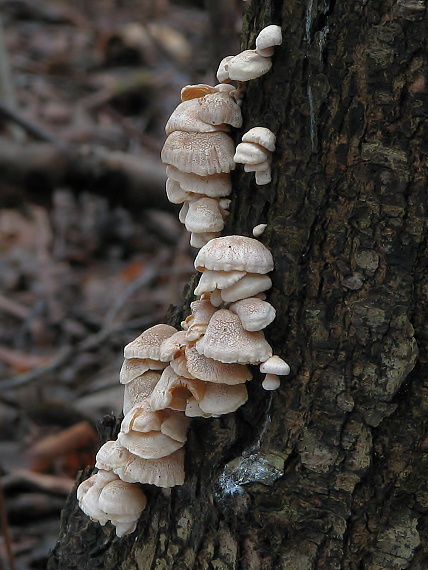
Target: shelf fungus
255, 153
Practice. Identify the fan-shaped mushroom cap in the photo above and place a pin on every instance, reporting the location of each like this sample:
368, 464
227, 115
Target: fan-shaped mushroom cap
263, 177
163, 472
142, 419
247, 65
195, 91
227, 341
151, 445
250, 153
173, 345
234, 253
271, 382
179, 365
197, 322
112, 455
210, 370
201, 153
174, 424
275, 365
211, 280
223, 399
173, 391
268, 38
223, 69
194, 411
249, 286
147, 344
261, 136
254, 313
204, 215
139, 389
213, 186
218, 108
200, 239
121, 498
175, 193
134, 367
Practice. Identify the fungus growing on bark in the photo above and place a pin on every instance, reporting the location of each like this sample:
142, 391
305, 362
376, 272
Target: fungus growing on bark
255, 152
267, 39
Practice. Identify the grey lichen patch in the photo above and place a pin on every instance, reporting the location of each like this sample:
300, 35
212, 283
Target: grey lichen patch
396, 545
314, 454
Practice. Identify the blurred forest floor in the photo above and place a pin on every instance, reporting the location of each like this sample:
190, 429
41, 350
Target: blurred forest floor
91, 253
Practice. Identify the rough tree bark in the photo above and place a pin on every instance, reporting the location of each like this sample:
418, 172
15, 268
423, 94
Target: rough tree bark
329, 472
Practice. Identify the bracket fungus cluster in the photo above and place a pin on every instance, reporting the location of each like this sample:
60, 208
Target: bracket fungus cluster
171, 375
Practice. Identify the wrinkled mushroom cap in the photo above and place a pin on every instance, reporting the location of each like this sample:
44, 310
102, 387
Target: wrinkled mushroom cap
227, 341
261, 136
172, 346
147, 344
163, 472
235, 253
210, 370
141, 418
248, 65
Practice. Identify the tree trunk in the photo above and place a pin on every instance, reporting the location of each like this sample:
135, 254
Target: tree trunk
329, 472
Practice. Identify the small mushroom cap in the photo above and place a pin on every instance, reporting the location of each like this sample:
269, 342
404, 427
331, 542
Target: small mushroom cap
215, 298
204, 215
173, 391
151, 445
261, 136
173, 345
112, 455
249, 286
195, 91
218, 108
227, 341
175, 193
210, 370
213, 186
174, 424
247, 65
235, 253
223, 69
134, 367
89, 504
271, 382
121, 498
263, 177
223, 399
163, 472
124, 528
196, 323
200, 239
211, 280
201, 153
141, 419
254, 313
179, 365
269, 37
250, 153
275, 365
259, 229
147, 344
139, 389
185, 118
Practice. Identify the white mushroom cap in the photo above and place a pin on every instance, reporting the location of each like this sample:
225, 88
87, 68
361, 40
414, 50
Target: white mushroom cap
195, 91
259, 229
134, 367
151, 445
211, 280
214, 186
147, 344
183, 211
235, 253
271, 382
275, 365
210, 370
175, 193
200, 239
261, 136
111, 455
215, 298
227, 341
260, 167
204, 215
201, 153
247, 65
263, 177
172, 346
250, 153
139, 389
196, 323
124, 528
223, 399
141, 419
269, 37
249, 286
163, 472
254, 313
121, 498
173, 391
89, 504
223, 69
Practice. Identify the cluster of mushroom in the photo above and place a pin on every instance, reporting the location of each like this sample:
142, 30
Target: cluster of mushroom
199, 155
255, 152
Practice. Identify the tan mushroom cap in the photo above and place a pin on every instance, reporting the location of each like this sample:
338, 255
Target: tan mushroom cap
235, 253
179, 365
211, 280
201, 153
173, 345
227, 341
139, 389
141, 418
147, 344
220, 107
271, 382
173, 391
210, 370
189, 92
254, 313
261, 136
164, 472
174, 424
250, 153
151, 445
204, 215
121, 498
194, 411
213, 186
249, 286
112, 455
248, 65
269, 37
222, 399
134, 367
275, 365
